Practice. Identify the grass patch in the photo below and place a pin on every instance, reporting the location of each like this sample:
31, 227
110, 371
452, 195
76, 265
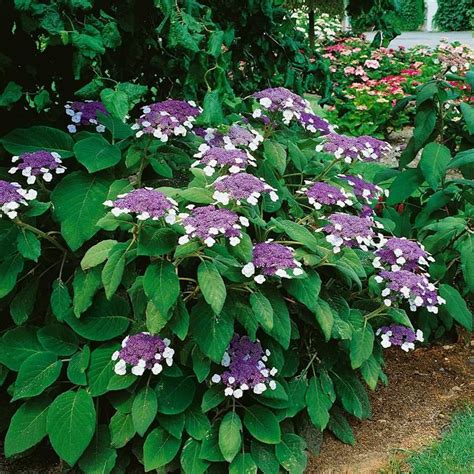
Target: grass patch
454, 453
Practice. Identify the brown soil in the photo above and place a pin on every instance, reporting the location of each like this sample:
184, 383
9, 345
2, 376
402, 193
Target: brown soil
425, 387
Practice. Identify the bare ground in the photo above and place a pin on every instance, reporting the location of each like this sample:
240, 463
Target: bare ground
425, 387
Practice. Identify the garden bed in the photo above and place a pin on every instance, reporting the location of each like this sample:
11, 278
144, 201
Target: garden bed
425, 387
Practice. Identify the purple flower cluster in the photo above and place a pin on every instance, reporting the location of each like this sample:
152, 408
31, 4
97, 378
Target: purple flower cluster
362, 188
247, 370
281, 100
272, 259
351, 231
12, 195
208, 222
236, 136
234, 160
168, 118
322, 193
147, 203
397, 335
85, 113
414, 288
143, 351
353, 148
37, 163
402, 254
241, 187
313, 123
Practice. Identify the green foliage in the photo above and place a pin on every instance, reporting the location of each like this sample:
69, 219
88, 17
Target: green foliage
75, 280
89, 45
411, 14
454, 15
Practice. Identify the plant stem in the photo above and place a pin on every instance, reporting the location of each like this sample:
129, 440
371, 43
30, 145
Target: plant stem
41, 234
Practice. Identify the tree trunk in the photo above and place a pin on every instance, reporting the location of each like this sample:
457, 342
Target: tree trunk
311, 27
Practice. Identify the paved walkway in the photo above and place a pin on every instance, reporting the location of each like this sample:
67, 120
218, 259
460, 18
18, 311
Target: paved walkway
427, 38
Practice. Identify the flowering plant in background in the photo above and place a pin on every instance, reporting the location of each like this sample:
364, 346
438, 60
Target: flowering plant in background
38, 163
84, 114
184, 296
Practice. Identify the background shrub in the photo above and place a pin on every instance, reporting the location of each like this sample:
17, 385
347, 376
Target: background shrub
454, 15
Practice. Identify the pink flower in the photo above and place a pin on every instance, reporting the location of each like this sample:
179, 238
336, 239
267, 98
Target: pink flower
349, 70
359, 71
372, 64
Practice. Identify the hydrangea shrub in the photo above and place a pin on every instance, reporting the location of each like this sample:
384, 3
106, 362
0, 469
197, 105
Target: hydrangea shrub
181, 296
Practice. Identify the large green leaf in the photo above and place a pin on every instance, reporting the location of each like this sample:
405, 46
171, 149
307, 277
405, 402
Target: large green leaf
112, 272
144, 409
85, 284
101, 369
97, 254
281, 330
456, 306
339, 425
71, 424
211, 332
27, 426
262, 424
78, 201
291, 453
434, 160
99, 457
161, 284
159, 449
121, 429
262, 309
197, 423
362, 344
60, 300
264, 457
318, 404
96, 153
191, 463
212, 285
352, 394
17, 345
58, 339
230, 435
243, 464
174, 394
104, 321
22, 140
404, 185
324, 317
305, 290
9, 270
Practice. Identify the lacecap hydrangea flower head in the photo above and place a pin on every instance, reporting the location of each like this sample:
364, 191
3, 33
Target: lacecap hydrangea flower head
279, 99
236, 136
242, 187
37, 164
272, 259
143, 351
351, 231
362, 188
313, 123
84, 114
247, 370
215, 158
167, 119
146, 203
398, 335
364, 148
12, 196
400, 253
414, 288
207, 223
323, 194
